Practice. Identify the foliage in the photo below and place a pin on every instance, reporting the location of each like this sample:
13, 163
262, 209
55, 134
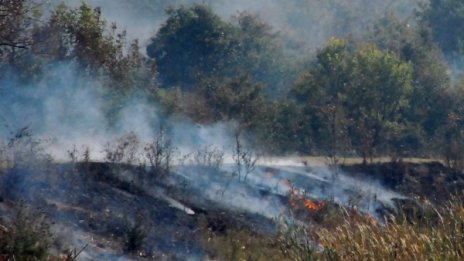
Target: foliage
27, 237
191, 42
160, 153
445, 18
238, 244
82, 34
194, 43
428, 103
238, 98
22, 149
135, 234
209, 156
245, 158
375, 101
385, 93
123, 150
453, 130
355, 94
17, 19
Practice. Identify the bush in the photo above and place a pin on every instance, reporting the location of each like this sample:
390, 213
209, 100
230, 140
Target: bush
135, 234
27, 236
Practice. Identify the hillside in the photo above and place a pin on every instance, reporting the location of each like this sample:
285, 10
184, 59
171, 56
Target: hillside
231, 130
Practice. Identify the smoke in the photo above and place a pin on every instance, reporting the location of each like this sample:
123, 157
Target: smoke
306, 24
268, 187
66, 108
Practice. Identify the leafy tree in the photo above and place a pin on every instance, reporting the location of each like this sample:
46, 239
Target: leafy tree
446, 20
259, 51
427, 110
359, 92
453, 129
193, 41
237, 98
82, 34
17, 19
322, 91
280, 127
378, 91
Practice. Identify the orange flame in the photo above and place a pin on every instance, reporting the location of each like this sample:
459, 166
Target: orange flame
371, 220
313, 205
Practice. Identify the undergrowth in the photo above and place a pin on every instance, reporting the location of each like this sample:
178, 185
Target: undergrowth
395, 239
355, 237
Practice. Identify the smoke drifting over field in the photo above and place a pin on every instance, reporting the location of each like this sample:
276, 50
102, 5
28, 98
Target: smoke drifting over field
66, 108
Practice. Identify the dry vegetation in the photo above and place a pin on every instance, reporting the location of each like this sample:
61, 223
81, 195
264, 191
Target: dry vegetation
354, 238
397, 239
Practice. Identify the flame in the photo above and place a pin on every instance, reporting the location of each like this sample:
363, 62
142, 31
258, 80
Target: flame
371, 220
313, 205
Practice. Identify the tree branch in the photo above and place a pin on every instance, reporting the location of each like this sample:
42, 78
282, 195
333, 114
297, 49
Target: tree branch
14, 45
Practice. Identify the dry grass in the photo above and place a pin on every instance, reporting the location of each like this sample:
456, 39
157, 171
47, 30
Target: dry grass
355, 237
397, 239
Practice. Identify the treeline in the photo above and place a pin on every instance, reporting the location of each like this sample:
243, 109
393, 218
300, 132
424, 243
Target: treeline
389, 93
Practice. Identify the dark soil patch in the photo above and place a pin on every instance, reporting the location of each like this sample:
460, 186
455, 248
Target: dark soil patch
433, 180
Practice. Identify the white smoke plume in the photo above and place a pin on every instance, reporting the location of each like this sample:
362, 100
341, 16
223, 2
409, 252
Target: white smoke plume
65, 108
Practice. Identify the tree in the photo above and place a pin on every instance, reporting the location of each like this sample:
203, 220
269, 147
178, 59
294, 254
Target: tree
280, 127
259, 51
445, 18
378, 90
19, 21
195, 43
192, 42
237, 98
453, 131
352, 96
16, 22
427, 110
80, 35
322, 93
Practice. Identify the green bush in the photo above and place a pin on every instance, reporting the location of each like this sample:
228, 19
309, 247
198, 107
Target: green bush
27, 236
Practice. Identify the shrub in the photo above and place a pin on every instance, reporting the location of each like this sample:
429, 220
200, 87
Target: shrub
135, 234
160, 153
27, 236
209, 156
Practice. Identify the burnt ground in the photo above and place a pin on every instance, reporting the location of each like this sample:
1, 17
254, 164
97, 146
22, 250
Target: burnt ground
432, 181
98, 205
89, 206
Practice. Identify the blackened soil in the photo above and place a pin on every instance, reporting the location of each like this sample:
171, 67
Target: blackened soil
433, 180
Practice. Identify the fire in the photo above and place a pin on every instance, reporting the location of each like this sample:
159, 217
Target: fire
371, 220
313, 205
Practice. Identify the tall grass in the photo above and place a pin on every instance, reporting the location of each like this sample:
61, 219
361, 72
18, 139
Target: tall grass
396, 239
